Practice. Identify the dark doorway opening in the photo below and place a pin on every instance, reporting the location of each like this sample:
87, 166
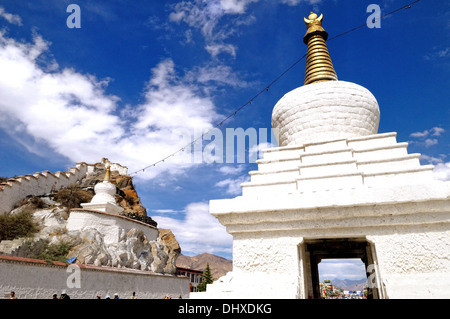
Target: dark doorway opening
341, 248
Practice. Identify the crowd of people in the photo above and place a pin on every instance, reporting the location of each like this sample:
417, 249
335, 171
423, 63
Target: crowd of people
64, 295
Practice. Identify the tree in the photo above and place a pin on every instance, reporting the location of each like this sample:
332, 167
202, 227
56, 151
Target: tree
206, 279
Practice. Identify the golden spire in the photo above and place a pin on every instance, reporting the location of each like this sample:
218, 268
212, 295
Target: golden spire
319, 67
108, 174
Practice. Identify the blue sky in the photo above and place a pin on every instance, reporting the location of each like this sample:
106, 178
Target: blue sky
353, 269
137, 73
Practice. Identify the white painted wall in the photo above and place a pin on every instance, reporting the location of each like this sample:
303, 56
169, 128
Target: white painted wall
41, 183
112, 226
415, 264
38, 281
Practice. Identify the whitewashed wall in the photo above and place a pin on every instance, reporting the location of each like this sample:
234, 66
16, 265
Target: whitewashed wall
41, 183
34, 280
110, 225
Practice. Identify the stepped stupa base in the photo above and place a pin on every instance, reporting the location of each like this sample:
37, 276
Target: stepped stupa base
361, 198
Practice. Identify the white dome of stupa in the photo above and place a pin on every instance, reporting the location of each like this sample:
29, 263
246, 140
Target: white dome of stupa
325, 111
104, 193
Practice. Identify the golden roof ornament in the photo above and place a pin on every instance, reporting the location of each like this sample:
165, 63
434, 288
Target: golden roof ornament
108, 174
319, 67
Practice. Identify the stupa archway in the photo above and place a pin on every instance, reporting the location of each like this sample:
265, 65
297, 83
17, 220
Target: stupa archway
313, 251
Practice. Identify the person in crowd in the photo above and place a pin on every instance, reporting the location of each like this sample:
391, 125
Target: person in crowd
64, 295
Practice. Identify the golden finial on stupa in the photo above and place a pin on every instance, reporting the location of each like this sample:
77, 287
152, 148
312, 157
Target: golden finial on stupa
108, 174
319, 67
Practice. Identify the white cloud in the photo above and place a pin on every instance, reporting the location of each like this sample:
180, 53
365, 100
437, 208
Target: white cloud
216, 74
198, 14
11, 18
209, 18
235, 6
171, 104
296, 2
420, 134
199, 231
231, 170
257, 149
430, 142
217, 48
205, 16
438, 53
233, 185
435, 131
59, 108
165, 211
425, 138
432, 159
442, 171
71, 113
291, 2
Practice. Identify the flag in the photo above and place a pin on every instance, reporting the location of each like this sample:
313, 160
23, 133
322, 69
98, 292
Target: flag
72, 260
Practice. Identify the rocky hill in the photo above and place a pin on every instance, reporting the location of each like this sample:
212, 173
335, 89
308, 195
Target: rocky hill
219, 266
348, 284
50, 239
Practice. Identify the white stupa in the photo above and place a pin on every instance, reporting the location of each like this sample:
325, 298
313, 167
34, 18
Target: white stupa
104, 199
335, 188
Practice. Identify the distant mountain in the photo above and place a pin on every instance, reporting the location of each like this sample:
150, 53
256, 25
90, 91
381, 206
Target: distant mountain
219, 266
348, 284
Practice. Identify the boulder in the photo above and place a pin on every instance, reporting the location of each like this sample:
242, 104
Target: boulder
134, 250
171, 248
91, 249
